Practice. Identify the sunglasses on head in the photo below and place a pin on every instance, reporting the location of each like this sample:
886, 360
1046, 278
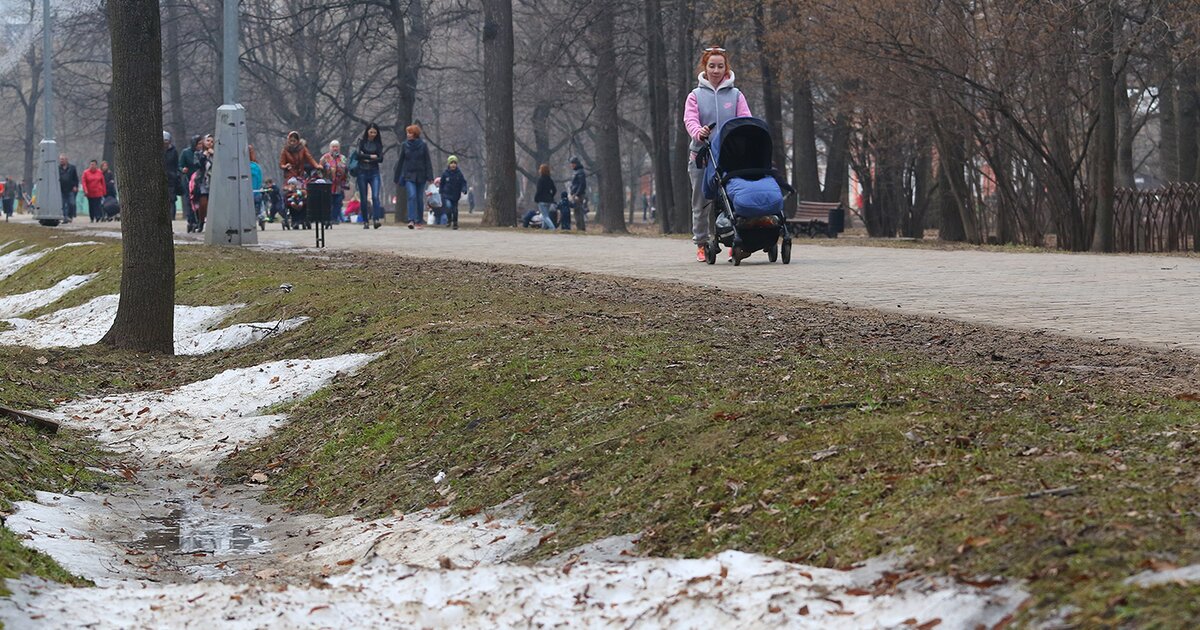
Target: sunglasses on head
714, 49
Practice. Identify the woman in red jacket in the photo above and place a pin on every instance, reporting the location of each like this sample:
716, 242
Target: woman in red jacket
93, 189
295, 157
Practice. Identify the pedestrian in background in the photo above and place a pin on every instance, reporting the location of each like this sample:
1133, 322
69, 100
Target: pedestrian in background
370, 157
413, 170
453, 185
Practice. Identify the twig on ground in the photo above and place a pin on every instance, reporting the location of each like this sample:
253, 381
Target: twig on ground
1051, 492
24, 417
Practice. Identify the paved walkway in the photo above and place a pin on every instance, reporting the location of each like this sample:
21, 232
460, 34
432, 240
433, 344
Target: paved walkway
1133, 299
1149, 300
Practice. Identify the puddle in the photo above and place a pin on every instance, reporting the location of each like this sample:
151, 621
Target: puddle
193, 530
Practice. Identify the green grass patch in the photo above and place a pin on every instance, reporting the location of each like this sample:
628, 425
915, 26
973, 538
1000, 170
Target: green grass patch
700, 421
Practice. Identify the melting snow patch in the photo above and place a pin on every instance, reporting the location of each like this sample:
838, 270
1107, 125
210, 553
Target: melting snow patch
731, 589
1147, 579
13, 305
13, 261
202, 422
87, 323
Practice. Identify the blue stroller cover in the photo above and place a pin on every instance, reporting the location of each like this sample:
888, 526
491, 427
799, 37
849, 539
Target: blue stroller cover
742, 148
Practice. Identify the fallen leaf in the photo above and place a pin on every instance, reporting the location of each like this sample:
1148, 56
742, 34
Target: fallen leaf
316, 608
973, 542
457, 602
932, 623
345, 563
274, 379
803, 611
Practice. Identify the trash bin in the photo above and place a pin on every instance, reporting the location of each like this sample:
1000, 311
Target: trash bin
320, 201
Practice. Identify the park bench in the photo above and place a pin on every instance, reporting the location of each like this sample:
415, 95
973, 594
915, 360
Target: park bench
817, 218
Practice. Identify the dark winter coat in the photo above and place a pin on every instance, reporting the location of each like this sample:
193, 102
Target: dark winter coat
578, 182
171, 165
110, 184
453, 185
414, 164
370, 154
545, 190
68, 178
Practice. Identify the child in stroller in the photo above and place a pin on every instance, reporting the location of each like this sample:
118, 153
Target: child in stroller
748, 213
295, 197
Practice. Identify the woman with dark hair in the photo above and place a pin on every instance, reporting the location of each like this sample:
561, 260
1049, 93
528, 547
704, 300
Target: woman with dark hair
370, 156
713, 102
545, 195
414, 170
188, 163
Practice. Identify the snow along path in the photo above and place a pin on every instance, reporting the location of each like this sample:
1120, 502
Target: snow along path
87, 323
14, 305
14, 261
175, 548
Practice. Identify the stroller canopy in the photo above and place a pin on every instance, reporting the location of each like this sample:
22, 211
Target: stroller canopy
741, 144
741, 150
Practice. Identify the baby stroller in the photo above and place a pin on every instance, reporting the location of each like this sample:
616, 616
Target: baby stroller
747, 192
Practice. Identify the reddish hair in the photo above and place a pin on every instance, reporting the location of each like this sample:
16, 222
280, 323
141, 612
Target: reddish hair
544, 169
708, 54
413, 130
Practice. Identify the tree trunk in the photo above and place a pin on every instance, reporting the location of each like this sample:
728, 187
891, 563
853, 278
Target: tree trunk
145, 318
499, 136
106, 151
772, 100
660, 125
1167, 118
837, 163
408, 27
608, 119
30, 104
681, 214
174, 80
914, 223
1125, 105
804, 142
1105, 154
1188, 112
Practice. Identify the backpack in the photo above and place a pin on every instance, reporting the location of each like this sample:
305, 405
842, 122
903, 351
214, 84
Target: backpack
353, 166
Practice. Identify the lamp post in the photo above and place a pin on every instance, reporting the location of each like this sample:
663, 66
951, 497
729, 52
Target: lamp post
49, 210
231, 217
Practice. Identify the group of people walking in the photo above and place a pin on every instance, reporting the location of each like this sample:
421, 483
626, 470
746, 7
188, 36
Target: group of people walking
99, 185
556, 213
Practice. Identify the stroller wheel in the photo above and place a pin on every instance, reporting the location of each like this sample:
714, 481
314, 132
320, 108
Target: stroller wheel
773, 253
786, 252
710, 253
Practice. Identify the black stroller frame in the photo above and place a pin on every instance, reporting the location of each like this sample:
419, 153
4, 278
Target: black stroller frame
745, 239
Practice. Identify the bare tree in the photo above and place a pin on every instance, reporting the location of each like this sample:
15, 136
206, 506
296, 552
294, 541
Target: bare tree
500, 139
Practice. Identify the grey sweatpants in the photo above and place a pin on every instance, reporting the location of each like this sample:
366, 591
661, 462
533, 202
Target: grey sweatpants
701, 207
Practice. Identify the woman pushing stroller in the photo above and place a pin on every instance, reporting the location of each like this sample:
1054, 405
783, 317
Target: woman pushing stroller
714, 101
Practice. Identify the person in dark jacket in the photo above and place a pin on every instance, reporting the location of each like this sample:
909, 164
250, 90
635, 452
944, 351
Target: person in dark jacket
579, 194
415, 170
171, 168
110, 180
68, 184
545, 195
453, 185
8, 197
188, 165
370, 155
564, 212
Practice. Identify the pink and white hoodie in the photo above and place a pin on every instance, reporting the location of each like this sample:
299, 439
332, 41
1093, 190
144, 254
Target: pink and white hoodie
707, 105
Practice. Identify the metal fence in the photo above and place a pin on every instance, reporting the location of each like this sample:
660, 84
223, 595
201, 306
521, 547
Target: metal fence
1162, 220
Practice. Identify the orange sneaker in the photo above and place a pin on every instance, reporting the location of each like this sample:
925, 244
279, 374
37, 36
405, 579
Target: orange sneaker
701, 256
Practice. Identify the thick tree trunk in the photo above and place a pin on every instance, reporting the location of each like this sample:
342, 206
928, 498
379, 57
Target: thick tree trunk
805, 178
660, 125
106, 151
608, 119
837, 162
499, 136
913, 225
1103, 239
145, 318
30, 104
